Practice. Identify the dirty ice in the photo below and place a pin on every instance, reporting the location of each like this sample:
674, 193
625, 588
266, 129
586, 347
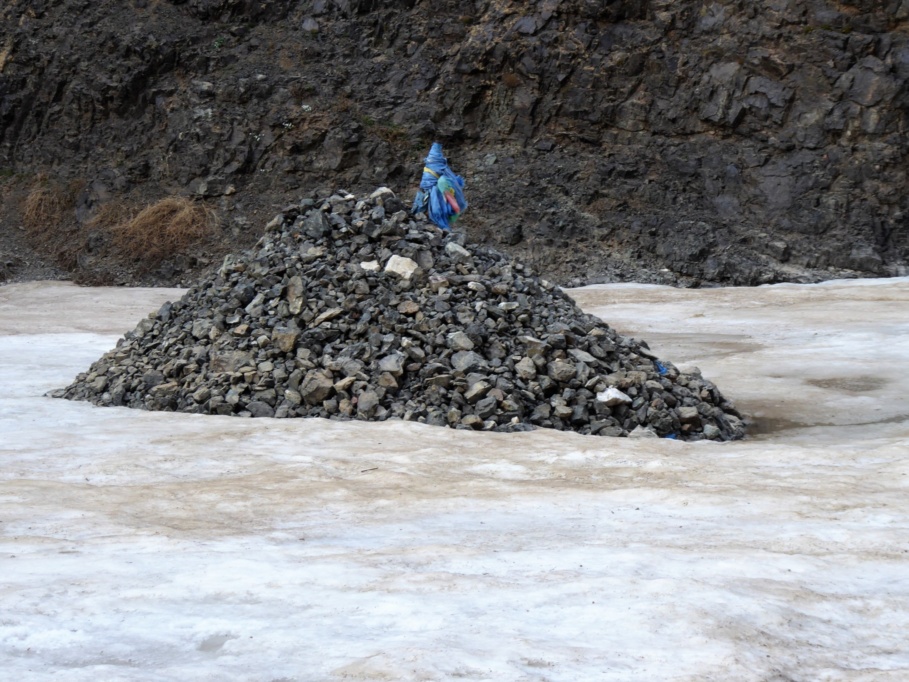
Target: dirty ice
156, 546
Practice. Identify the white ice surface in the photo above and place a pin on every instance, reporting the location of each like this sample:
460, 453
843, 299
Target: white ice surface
153, 546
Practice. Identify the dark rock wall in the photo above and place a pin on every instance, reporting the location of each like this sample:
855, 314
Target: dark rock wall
719, 141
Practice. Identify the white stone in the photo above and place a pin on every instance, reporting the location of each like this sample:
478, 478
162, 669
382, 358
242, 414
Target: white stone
643, 432
382, 192
456, 251
403, 267
370, 265
612, 396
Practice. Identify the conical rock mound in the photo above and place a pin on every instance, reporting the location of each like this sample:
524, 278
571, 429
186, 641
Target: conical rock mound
352, 309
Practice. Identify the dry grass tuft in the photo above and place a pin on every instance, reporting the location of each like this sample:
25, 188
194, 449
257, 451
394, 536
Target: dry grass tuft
44, 210
160, 230
112, 214
49, 219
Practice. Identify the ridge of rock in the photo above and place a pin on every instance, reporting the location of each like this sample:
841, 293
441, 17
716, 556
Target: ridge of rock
669, 141
351, 308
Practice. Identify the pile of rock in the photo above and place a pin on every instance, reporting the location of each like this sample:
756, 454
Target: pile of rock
353, 309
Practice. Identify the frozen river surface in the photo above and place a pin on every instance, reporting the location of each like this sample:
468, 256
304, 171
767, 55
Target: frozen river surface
154, 546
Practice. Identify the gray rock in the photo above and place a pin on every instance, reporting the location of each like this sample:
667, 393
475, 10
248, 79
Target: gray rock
295, 295
467, 361
458, 341
711, 432
689, 415
561, 371
387, 380
472, 421
316, 386
367, 403
535, 347
315, 224
582, 356
541, 412
393, 364
327, 316
230, 360
526, 369
260, 409
562, 411
201, 328
285, 339
486, 408
779, 249
477, 391
456, 252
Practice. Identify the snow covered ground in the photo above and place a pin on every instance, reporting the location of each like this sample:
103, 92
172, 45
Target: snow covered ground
152, 546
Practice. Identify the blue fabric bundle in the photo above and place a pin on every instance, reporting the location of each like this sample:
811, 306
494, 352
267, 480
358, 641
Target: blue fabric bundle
441, 193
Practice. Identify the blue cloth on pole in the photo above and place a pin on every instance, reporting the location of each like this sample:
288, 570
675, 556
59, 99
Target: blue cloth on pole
441, 193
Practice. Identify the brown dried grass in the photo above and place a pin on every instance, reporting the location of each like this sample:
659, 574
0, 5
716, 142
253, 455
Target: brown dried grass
45, 209
111, 214
159, 231
49, 220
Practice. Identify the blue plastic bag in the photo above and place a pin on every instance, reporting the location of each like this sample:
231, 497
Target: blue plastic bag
441, 193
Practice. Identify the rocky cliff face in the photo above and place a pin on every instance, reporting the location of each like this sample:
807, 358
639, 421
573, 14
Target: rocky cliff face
679, 141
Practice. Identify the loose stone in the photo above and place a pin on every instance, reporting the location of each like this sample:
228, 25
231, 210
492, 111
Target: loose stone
349, 308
